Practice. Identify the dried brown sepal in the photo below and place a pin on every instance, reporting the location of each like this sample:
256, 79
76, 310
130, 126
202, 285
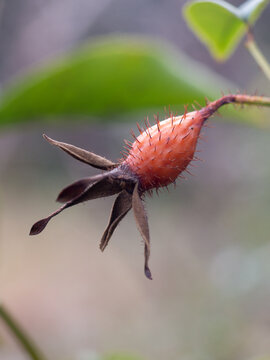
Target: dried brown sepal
85, 156
101, 188
142, 224
106, 186
121, 207
40, 225
77, 188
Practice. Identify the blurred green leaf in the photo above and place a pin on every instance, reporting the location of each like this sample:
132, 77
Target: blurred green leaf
109, 77
216, 23
220, 25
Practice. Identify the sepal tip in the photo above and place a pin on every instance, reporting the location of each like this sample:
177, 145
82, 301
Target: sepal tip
39, 226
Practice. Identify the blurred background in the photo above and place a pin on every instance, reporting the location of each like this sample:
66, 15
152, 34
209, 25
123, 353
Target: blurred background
210, 236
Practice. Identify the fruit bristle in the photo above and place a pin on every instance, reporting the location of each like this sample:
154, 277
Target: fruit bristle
139, 128
185, 112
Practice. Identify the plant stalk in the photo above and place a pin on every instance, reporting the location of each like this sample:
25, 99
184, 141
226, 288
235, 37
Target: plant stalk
257, 54
19, 334
213, 106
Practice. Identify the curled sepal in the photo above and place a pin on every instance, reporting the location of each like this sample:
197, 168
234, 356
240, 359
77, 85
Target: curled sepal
75, 189
142, 224
85, 156
121, 207
101, 188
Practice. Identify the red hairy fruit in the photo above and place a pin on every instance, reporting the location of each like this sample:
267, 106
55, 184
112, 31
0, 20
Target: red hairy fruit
155, 159
161, 152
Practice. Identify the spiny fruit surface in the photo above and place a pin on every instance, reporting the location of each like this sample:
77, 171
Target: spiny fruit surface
161, 152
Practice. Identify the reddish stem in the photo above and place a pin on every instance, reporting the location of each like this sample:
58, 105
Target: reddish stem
212, 107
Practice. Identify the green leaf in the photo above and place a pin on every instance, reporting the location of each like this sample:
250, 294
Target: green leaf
220, 25
109, 77
216, 24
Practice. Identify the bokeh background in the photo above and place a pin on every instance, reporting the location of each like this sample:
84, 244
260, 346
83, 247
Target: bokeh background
210, 236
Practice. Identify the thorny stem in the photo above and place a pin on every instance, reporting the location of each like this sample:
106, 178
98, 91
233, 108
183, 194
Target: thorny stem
212, 107
257, 54
27, 344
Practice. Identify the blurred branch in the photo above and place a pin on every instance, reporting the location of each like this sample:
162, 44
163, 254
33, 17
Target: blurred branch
257, 55
19, 334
